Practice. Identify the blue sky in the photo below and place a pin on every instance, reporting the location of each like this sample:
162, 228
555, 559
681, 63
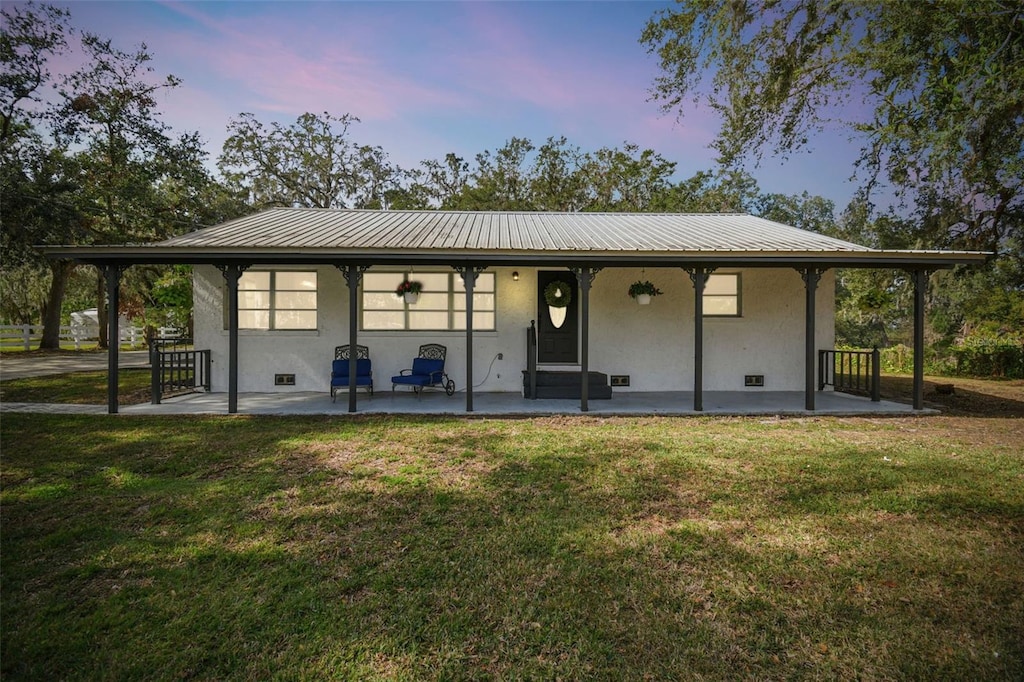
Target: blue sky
428, 78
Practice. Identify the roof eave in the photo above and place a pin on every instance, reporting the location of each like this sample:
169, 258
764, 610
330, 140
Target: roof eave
129, 255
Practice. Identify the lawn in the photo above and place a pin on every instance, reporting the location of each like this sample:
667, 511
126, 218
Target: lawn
79, 388
557, 548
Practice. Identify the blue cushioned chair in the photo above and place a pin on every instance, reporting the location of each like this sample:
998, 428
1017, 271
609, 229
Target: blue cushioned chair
427, 371
339, 370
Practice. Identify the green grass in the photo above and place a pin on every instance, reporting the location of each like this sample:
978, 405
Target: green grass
83, 388
562, 548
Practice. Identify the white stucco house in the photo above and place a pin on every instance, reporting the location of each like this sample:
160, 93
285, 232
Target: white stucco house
746, 303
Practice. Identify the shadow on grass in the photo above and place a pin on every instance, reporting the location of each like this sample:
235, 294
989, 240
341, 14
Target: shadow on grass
969, 397
432, 548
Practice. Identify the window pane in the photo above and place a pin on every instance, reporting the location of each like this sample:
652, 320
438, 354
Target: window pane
295, 300
382, 281
254, 299
481, 321
721, 285
480, 301
432, 302
720, 305
427, 320
432, 281
374, 319
382, 301
253, 319
295, 319
254, 280
295, 280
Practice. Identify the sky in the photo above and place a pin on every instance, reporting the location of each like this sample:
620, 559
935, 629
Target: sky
428, 78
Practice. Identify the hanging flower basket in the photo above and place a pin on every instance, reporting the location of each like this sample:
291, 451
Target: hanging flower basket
643, 291
558, 296
409, 290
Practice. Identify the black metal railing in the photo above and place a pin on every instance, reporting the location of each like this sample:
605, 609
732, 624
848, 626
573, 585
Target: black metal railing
531, 358
177, 370
850, 371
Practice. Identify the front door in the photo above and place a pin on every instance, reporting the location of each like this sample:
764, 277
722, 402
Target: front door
557, 345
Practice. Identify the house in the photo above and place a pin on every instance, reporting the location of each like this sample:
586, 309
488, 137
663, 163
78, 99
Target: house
747, 303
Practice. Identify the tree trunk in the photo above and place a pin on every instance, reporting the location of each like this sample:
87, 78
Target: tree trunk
61, 271
101, 307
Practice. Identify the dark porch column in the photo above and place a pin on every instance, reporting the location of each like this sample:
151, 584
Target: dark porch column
469, 276
920, 278
699, 277
811, 276
112, 275
353, 275
585, 277
231, 275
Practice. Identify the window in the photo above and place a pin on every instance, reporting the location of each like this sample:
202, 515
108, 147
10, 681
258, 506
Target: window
441, 305
722, 296
277, 299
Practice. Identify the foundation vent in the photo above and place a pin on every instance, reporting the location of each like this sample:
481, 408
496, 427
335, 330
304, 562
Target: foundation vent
753, 380
284, 379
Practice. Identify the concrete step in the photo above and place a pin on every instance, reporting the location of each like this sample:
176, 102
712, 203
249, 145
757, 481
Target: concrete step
566, 385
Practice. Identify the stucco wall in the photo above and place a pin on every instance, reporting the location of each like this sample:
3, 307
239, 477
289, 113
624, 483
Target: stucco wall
652, 344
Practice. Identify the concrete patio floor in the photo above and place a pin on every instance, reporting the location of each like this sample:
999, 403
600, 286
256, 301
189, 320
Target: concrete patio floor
789, 403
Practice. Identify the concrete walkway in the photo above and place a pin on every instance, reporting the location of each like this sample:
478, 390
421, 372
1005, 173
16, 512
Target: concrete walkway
716, 403
22, 365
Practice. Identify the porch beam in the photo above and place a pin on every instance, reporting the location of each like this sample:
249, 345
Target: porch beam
469, 275
811, 277
585, 277
920, 278
353, 276
112, 276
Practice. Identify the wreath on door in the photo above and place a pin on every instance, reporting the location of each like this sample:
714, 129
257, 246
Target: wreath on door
558, 294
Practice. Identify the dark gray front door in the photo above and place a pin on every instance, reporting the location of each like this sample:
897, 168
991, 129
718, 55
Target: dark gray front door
557, 345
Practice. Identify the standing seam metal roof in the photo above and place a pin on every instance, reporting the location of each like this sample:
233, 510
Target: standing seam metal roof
305, 228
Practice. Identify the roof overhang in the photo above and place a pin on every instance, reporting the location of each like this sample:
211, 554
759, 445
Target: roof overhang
150, 254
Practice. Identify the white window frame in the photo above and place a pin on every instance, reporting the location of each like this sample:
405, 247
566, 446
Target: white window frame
738, 295
273, 292
455, 294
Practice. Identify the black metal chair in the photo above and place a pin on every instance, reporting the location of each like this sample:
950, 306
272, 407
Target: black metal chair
340, 366
427, 371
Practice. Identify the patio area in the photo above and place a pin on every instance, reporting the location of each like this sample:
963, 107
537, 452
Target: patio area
513, 404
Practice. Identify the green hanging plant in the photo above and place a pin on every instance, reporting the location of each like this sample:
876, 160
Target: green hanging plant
558, 294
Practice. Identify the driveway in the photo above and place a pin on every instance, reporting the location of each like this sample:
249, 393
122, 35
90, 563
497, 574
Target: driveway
19, 366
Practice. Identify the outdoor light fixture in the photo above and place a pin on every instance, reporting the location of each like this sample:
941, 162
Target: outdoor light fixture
515, 276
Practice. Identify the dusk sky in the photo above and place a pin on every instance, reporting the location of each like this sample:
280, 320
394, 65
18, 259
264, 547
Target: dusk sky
428, 78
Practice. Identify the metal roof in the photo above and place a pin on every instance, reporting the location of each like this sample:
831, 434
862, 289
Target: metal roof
342, 236
310, 228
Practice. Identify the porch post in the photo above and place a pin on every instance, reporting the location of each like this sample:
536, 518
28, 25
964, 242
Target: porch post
699, 277
585, 277
353, 275
469, 276
232, 273
920, 278
810, 276
112, 275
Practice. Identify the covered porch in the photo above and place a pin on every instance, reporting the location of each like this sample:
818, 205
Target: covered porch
659, 403
581, 245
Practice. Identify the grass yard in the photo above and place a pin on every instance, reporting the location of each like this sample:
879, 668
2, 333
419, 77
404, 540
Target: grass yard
81, 388
559, 548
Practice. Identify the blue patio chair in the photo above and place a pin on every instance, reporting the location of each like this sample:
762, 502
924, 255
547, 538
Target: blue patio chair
339, 370
427, 371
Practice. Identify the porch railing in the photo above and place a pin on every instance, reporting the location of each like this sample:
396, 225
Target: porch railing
177, 368
851, 371
531, 358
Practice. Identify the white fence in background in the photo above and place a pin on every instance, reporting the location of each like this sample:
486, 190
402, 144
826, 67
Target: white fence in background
26, 336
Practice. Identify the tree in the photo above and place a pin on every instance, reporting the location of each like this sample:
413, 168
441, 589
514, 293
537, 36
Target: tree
312, 162
942, 80
86, 159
